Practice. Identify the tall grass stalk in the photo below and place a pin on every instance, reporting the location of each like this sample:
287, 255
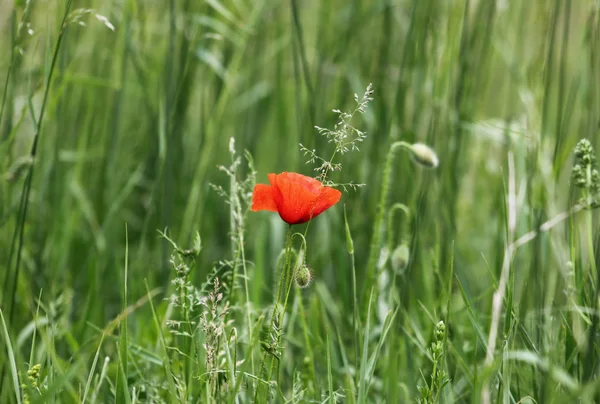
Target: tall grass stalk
12, 362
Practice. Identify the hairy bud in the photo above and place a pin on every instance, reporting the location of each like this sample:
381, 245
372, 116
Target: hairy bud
424, 155
400, 258
303, 277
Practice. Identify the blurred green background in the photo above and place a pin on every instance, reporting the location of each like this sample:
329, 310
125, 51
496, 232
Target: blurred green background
138, 118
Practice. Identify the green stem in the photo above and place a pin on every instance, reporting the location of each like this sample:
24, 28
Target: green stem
324, 177
590, 237
347, 125
355, 315
433, 378
241, 236
590, 226
233, 227
376, 237
274, 314
306, 337
288, 263
187, 341
38, 130
24, 203
288, 282
404, 232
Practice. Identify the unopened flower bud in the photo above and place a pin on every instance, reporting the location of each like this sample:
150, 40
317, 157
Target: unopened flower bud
585, 173
400, 258
303, 277
584, 150
440, 331
34, 372
595, 180
424, 155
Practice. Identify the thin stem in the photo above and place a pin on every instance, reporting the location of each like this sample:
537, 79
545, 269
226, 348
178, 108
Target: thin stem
590, 225
341, 144
355, 314
393, 209
305, 332
288, 281
288, 262
432, 381
241, 236
237, 245
187, 345
504, 274
377, 223
274, 316
328, 166
5, 91
27, 185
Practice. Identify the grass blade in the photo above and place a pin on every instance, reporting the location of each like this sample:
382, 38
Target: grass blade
363, 385
94, 363
11, 359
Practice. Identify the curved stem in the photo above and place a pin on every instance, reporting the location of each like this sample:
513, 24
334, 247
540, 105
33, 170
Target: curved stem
376, 237
404, 229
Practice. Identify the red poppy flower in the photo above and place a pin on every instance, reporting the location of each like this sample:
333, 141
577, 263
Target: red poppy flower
296, 197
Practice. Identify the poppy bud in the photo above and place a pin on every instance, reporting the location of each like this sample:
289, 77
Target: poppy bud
423, 155
400, 258
303, 277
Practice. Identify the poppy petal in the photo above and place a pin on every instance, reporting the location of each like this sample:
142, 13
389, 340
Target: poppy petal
262, 198
296, 197
293, 199
277, 197
309, 183
326, 199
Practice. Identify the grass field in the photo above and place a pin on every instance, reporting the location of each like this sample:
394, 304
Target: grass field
133, 132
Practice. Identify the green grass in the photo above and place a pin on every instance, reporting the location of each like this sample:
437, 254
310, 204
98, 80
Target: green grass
109, 137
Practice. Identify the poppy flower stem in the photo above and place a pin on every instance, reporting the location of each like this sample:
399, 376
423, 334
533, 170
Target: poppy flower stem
286, 275
288, 278
278, 313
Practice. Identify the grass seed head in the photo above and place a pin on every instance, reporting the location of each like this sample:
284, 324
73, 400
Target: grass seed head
585, 172
440, 331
